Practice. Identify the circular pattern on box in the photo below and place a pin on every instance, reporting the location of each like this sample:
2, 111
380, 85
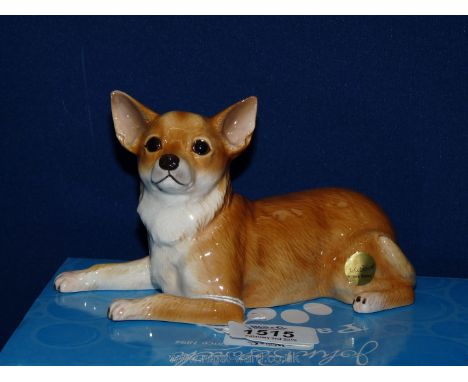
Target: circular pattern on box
451, 329
295, 316
429, 283
463, 314
397, 328
261, 314
318, 309
459, 293
429, 307
431, 350
78, 308
67, 335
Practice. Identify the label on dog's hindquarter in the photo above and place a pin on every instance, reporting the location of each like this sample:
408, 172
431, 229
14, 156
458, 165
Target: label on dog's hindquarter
289, 336
360, 268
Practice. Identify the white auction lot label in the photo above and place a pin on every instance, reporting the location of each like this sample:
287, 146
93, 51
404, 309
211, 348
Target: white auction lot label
290, 336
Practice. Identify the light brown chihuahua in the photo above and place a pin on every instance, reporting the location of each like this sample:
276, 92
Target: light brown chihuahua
213, 252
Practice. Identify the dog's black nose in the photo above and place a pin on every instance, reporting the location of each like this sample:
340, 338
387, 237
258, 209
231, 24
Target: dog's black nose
169, 162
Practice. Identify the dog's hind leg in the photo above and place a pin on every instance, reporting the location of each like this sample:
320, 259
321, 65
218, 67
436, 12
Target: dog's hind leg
389, 287
396, 289
374, 301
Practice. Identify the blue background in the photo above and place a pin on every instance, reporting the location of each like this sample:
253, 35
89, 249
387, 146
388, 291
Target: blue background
376, 104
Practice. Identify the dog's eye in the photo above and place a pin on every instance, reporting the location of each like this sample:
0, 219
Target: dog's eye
201, 147
153, 144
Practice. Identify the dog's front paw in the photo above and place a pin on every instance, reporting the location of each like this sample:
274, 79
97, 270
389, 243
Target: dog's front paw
74, 281
121, 310
136, 309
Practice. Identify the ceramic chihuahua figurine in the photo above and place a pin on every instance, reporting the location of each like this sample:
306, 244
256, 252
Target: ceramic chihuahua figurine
213, 252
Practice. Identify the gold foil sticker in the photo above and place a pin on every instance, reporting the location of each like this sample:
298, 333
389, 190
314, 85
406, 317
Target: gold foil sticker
360, 268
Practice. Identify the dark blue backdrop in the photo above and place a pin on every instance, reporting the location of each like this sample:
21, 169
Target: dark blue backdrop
376, 104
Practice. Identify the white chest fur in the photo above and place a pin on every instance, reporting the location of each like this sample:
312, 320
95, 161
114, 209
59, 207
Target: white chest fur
168, 268
172, 225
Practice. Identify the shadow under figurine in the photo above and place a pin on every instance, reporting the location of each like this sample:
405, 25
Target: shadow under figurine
213, 252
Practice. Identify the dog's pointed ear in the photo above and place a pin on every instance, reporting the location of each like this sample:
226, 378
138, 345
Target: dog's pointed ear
236, 125
131, 119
